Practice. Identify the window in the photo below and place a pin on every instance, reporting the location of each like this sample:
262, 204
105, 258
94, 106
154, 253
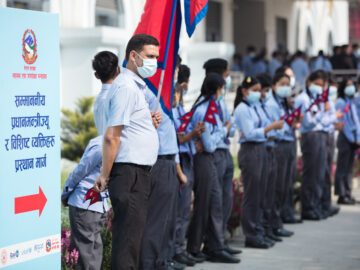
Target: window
109, 13
214, 21
26, 4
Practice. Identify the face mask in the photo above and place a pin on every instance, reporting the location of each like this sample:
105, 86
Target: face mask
350, 90
227, 82
332, 90
185, 92
219, 98
315, 89
283, 91
253, 97
252, 55
148, 69
292, 82
267, 95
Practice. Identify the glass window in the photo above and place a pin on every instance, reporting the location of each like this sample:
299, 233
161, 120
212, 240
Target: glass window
109, 13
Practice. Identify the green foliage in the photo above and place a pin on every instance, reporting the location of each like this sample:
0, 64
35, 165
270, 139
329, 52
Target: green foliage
78, 128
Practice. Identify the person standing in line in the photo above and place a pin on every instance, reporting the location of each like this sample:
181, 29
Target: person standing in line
252, 159
130, 150
300, 68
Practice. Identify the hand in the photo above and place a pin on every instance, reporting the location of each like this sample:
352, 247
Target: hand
196, 132
228, 125
65, 203
339, 114
157, 118
301, 117
338, 126
182, 179
278, 124
202, 126
327, 106
199, 146
101, 183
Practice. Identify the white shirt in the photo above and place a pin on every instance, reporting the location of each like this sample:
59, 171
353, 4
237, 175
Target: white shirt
99, 109
139, 143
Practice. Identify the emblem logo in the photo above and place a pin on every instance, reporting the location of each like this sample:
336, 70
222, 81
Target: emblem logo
48, 245
29, 47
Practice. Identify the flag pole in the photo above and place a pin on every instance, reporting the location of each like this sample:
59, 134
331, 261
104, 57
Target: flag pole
160, 90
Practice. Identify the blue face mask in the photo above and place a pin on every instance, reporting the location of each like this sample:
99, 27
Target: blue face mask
253, 97
315, 89
219, 98
267, 96
350, 90
185, 92
148, 68
332, 90
228, 82
283, 91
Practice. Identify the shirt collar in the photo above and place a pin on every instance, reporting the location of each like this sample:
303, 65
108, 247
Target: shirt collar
135, 77
105, 86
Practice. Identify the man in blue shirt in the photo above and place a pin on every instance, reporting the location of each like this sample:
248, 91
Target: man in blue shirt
248, 61
86, 220
130, 150
300, 68
275, 63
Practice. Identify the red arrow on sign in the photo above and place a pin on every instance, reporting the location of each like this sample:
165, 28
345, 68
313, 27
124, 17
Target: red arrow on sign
30, 203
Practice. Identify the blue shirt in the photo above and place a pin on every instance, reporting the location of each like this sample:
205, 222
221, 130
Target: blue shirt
321, 63
84, 177
273, 66
248, 66
224, 116
330, 118
213, 133
100, 108
301, 71
277, 105
248, 120
139, 143
268, 114
166, 131
179, 111
260, 67
352, 126
356, 101
313, 119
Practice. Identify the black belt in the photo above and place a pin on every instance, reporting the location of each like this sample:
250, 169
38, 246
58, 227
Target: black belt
144, 167
252, 143
167, 157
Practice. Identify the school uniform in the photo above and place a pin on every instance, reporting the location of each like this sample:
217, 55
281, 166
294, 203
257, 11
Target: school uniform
100, 109
130, 182
158, 238
252, 162
186, 160
346, 144
314, 150
86, 220
285, 155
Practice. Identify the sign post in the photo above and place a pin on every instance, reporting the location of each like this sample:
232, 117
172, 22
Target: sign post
29, 140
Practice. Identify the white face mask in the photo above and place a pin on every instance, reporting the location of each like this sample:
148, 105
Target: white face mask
283, 91
292, 82
315, 89
350, 90
332, 90
148, 69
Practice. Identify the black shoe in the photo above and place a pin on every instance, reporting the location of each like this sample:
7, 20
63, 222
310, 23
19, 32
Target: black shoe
283, 233
345, 200
222, 256
198, 257
257, 244
292, 220
231, 250
352, 199
269, 241
273, 237
175, 265
184, 259
310, 216
333, 210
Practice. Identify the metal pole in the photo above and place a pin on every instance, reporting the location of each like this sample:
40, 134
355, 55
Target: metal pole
160, 90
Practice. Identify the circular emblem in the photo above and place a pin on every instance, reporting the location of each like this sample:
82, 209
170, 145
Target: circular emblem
3, 256
29, 47
48, 245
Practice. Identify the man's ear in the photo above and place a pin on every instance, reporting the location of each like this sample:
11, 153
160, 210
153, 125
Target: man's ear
96, 76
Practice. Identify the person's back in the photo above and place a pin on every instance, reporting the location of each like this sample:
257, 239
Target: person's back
301, 70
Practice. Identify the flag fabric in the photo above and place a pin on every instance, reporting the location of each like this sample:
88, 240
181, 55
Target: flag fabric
347, 108
211, 111
289, 118
324, 97
162, 20
93, 196
195, 11
185, 120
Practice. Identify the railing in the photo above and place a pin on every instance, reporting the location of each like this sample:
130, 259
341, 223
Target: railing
349, 73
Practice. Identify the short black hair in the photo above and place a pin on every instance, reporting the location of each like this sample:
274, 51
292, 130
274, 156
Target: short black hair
105, 64
264, 79
138, 42
184, 74
216, 65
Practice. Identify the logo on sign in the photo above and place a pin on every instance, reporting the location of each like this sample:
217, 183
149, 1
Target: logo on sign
14, 255
29, 47
48, 245
38, 247
3, 256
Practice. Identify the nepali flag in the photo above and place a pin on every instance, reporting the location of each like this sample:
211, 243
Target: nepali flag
347, 108
317, 101
211, 111
195, 11
324, 97
185, 121
162, 20
93, 196
289, 119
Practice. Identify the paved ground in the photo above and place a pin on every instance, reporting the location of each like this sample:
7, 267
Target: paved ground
332, 244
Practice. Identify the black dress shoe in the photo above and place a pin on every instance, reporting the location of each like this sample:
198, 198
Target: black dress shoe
283, 233
292, 220
175, 265
184, 259
333, 210
352, 199
222, 256
310, 216
257, 244
273, 237
345, 200
269, 241
232, 251
198, 257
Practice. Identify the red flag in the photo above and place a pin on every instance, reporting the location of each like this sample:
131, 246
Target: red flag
297, 113
162, 20
93, 196
211, 111
185, 121
289, 120
195, 11
347, 108
325, 96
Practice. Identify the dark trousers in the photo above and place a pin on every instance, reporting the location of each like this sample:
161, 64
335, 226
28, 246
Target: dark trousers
154, 246
207, 206
252, 162
129, 189
267, 204
225, 169
326, 194
313, 146
344, 167
284, 155
288, 210
85, 236
184, 204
